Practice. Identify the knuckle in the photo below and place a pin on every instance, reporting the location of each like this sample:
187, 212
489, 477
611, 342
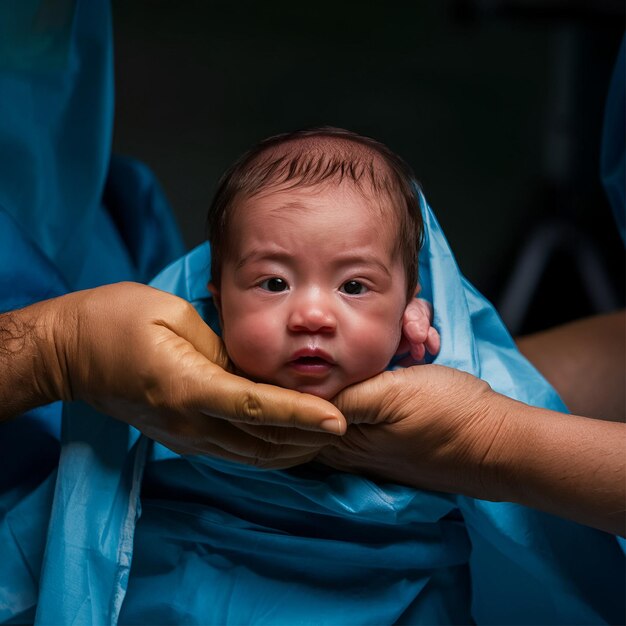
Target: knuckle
152, 391
249, 408
172, 311
411, 313
426, 307
183, 309
187, 308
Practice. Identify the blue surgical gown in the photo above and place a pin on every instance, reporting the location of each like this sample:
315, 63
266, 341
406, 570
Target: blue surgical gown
71, 217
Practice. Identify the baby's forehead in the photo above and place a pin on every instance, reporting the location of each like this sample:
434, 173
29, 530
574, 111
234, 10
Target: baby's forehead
291, 202
314, 217
292, 177
349, 205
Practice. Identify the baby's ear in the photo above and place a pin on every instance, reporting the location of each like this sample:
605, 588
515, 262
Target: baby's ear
215, 294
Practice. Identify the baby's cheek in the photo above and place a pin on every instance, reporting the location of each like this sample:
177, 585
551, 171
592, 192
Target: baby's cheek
376, 353
249, 344
391, 346
394, 336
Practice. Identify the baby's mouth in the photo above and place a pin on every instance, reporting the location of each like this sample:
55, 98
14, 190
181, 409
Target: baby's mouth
311, 362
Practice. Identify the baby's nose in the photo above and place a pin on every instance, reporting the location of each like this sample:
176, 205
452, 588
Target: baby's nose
312, 313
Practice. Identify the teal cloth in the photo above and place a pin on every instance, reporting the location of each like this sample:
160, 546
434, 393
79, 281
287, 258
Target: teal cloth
209, 541
71, 217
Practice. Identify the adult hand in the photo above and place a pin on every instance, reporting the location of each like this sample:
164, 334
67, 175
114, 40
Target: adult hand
146, 357
437, 428
423, 426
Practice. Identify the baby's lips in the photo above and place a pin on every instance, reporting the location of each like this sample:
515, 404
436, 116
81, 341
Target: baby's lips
311, 355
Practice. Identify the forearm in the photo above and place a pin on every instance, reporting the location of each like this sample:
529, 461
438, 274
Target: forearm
26, 348
585, 361
435, 427
571, 466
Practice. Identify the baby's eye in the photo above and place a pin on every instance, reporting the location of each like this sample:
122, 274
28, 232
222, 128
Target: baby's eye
273, 284
353, 288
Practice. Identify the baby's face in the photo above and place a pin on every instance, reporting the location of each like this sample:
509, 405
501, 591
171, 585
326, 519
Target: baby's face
312, 289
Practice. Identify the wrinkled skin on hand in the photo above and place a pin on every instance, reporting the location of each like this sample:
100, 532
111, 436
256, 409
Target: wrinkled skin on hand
146, 357
433, 427
427, 426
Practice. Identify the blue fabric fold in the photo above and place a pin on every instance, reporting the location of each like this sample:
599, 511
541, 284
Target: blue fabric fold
71, 217
57, 122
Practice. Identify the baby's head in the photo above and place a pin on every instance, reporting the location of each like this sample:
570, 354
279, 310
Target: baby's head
314, 239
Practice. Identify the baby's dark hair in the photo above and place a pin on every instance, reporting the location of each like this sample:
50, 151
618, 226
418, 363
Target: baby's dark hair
314, 156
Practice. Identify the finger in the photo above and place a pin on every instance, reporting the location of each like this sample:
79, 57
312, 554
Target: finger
433, 341
275, 456
416, 328
414, 309
237, 399
224, 440
196, 331
275, 462
419, 309
418, 352
365, 401
291, 436
414, 336
386, 398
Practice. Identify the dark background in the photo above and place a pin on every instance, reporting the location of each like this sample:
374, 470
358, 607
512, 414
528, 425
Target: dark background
497, 106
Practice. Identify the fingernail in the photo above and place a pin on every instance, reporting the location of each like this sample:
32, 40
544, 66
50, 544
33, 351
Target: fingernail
331, 425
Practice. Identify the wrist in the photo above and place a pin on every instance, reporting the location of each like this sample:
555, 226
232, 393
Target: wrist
508, 469
25, 336
498, 436
562, 464
49, 327
53, 329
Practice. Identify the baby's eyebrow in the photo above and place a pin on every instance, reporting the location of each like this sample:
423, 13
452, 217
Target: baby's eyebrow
263, 255
362, 259
349, 258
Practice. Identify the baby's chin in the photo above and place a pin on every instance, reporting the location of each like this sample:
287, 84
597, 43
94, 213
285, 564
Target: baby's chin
326, 390
326, 393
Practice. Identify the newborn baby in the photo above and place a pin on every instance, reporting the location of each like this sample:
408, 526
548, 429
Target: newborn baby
314, 238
